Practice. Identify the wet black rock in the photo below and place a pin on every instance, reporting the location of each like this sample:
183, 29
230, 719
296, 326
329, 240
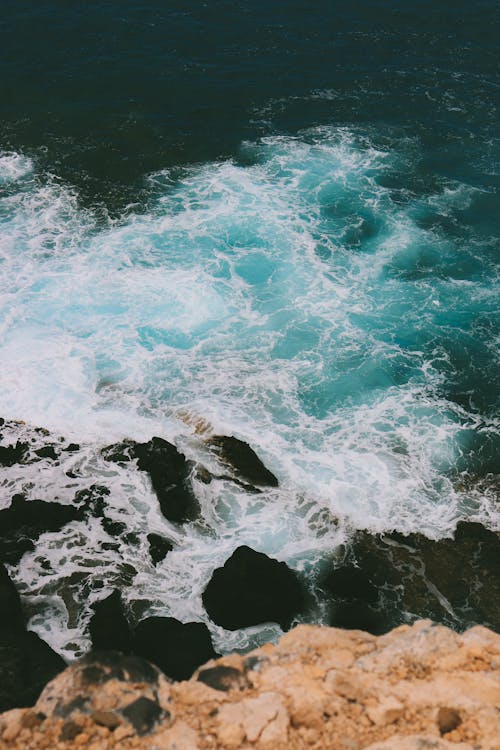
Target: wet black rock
22, 523
26, 665
113, 528
169, 471
119, 453
353, 595
351, 583
26, 662
159, 547
177, 648
243, 459
170, 476
47, 451
252, 588
72, 448
452, 581
13, 454
11, 615
93, 499
109, 629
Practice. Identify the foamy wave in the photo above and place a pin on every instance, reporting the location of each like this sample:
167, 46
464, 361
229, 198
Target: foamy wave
289, 300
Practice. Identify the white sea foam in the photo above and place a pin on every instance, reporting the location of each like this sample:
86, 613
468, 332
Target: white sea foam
284, 302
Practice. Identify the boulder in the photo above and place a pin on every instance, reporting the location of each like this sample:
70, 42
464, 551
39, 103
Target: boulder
22, 523
169, 472
27, 663
177, 648
13, 454
108, 628
109, 690
243, 459
252, 588
159, 547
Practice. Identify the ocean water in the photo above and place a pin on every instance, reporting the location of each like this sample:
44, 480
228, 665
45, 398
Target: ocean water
280, 219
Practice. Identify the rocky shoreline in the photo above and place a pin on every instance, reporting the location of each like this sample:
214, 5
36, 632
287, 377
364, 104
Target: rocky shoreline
373, 583
415, 688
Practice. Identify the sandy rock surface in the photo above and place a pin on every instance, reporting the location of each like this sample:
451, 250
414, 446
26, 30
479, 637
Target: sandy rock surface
417, 688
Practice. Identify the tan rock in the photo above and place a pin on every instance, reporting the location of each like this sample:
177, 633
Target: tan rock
180, 737
417, 742
317, 689
387, 711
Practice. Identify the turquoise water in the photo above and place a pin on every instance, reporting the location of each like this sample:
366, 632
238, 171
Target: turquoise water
346, 328
282, 222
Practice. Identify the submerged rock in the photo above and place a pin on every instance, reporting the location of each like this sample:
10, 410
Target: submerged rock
252, 588
453, 581
169, 472
243, 459
25, 520
177, 648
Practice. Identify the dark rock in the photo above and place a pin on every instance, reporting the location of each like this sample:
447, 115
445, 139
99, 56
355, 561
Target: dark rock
70, 730
30, 720
93, 499
47, 451
132, 538
13, 454
448, 719
113, 528
108, 627
357, 615
252, 588
243, 459
348, 582
177, 648
352, 593
11, 614
143, 714
92, 675
159, 547
452, 581
119, 452
223, 678
170, 476
98, 667
26, 664
72, 448
22, 523
168, 470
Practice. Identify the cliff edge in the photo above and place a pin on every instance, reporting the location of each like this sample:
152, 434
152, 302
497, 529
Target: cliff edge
415, 688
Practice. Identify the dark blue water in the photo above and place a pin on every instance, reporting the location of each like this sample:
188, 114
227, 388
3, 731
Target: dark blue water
281, 218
